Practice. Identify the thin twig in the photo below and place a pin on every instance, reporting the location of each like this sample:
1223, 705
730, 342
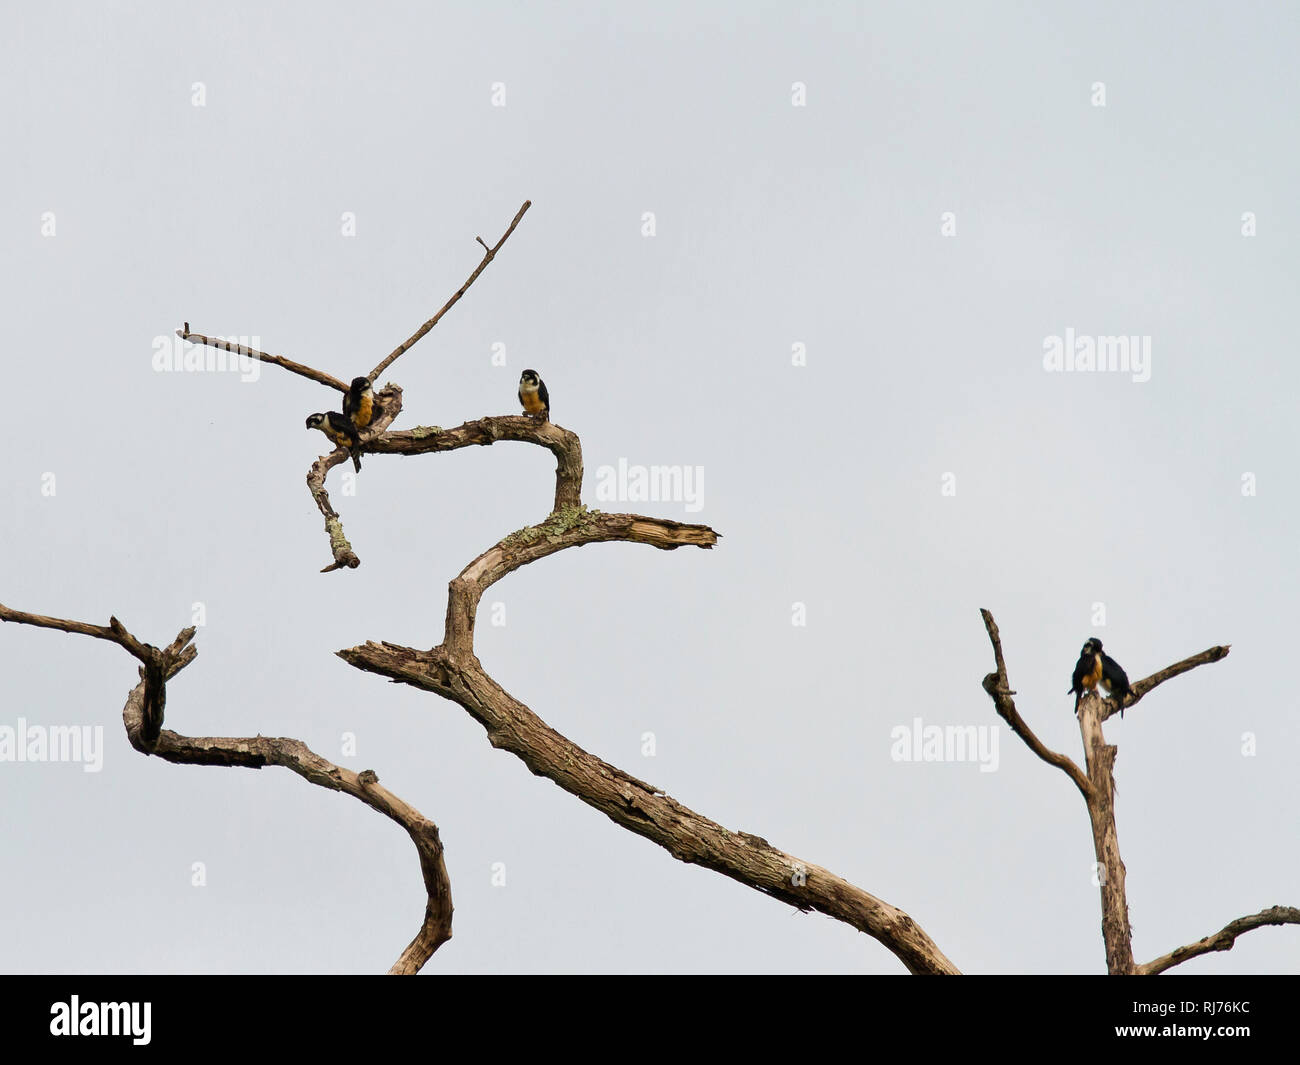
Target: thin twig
261, 356
488, 256
1142, 687
1223, 939
999, 690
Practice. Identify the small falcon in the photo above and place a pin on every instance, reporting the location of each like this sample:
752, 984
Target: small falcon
1096, 667
533, 396
359, 402
340, 431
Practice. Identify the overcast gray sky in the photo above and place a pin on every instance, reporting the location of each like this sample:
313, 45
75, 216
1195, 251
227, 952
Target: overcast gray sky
923, 463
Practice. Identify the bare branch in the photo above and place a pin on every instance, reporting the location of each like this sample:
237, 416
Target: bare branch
1098, 789
563, 444
570, 527
1226, 936
275, 360
156, 666
142, 716
488, 255
999, 690
1213, 654
388, 405
453, 671
112, 633
257, 751
646, 810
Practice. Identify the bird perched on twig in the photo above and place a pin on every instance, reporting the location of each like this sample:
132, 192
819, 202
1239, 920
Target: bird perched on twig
340, 431
1096, 667
533, 396
359, 402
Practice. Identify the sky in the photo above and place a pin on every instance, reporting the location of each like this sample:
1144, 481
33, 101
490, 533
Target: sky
817, 255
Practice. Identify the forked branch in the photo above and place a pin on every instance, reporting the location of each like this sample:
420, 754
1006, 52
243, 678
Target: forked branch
1098, 788
343, 555
453, 671
142, 716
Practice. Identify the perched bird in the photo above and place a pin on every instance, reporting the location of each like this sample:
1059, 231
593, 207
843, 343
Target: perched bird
533, 396
1096, 667
359, 402
340, 431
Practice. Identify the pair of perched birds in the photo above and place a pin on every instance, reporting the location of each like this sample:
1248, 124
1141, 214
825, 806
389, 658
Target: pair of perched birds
359, 409
344, 429
1096, 667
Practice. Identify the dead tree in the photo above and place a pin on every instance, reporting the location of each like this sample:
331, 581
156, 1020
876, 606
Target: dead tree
453, 671
1097, 786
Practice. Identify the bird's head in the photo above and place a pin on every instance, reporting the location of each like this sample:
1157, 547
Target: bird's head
315, 421
1091, 647
360, 384
529, 377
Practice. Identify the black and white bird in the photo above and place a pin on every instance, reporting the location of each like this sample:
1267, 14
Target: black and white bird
340, 430
359, 402
1096, 667
533, 396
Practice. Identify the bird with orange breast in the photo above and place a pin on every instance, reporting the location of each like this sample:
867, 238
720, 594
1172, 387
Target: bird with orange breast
533, 396
1096, 667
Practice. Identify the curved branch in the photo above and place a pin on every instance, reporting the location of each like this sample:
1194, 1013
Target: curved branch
999, 690
648, 811
570, 527
388, 405
1226, 936
563, 444
488, 255
257, 751
453, 671
156, 666
142, 718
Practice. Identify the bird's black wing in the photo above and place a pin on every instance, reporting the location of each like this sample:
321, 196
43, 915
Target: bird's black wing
1081, 670
543, 395
1113, 674
1116, 681
343, 426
